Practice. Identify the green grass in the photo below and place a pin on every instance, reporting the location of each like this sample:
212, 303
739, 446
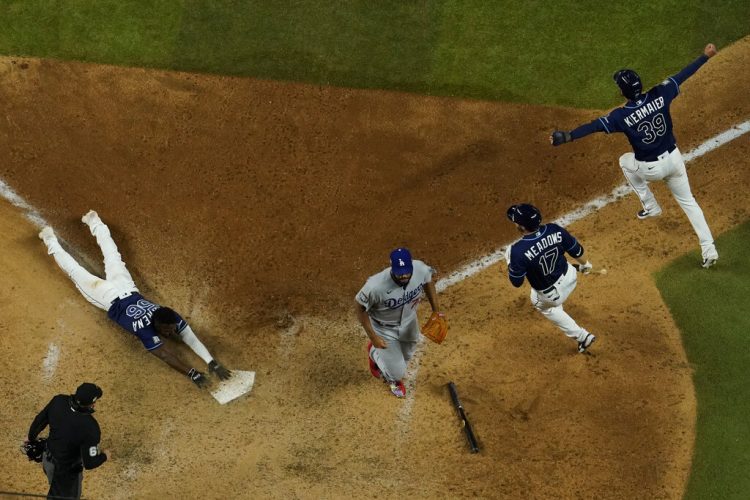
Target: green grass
533, 51
711, 309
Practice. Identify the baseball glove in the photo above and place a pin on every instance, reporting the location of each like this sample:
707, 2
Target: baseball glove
560, 137
34, 449
436, 327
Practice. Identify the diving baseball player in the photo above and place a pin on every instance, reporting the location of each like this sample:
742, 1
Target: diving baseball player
387, 309
647, 123
539, 256
118, 295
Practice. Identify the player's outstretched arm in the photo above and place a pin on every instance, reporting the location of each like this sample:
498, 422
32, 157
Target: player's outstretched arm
167, 354
190, 339
599, 125
708, 52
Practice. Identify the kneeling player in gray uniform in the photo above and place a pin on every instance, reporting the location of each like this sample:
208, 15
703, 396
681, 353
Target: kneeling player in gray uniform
387, 309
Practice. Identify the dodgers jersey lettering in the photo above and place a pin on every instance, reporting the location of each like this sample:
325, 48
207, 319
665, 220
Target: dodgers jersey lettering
540, 258
646, 122
134, 315
390, 303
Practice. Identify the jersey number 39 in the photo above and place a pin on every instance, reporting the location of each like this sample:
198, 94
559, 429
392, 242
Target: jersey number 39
657, 127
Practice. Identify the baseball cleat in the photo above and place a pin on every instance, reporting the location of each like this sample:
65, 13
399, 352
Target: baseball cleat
374, 370
582, 346
46, 234
398, 389
709, 262
90, 217
645, 214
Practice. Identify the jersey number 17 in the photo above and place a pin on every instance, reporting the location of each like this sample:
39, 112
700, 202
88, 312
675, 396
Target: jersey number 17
548, 260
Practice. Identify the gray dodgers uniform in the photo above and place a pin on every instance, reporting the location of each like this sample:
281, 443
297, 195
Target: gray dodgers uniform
393, 313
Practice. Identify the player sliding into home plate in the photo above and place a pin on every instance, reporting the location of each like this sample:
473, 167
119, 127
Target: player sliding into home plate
150, 322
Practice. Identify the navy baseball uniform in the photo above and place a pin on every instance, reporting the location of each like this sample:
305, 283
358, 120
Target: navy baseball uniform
539, 257
133, 313
117, 294
647, 123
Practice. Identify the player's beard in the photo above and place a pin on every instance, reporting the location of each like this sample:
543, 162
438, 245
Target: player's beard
400, 282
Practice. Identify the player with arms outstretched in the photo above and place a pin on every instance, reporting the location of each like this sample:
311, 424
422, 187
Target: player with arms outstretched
646, 121
118, 295
539, 257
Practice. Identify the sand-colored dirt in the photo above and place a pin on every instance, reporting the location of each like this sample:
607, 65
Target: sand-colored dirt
257, 209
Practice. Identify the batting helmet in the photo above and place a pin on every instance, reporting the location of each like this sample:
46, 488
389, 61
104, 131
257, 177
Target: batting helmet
525, 215
629, 83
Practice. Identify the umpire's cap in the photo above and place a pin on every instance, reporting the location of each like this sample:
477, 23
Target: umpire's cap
629, 83
87, 394
525, 215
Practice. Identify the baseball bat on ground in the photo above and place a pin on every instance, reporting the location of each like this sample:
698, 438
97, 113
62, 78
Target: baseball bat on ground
462, 417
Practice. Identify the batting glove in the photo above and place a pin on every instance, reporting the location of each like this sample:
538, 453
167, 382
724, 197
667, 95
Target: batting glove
218, 370
198, 378
585, 268
560, 137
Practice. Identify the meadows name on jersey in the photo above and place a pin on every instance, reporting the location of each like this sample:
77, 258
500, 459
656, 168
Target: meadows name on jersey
536, 250
539, 256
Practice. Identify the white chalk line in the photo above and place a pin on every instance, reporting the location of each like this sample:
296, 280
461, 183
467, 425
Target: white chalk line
588, 208
28, 211
49, 363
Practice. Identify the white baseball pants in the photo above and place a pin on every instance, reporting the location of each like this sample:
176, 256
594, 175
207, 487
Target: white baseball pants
98, 291
550, 304
670, 168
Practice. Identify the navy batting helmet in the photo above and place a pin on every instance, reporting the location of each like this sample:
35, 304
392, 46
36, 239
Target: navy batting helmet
525, 215
629, 83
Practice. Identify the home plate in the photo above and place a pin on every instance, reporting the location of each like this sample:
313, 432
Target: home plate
240, 383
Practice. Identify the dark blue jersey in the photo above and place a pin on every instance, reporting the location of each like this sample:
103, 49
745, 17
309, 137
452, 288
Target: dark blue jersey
539, 257
646, 122
134, 315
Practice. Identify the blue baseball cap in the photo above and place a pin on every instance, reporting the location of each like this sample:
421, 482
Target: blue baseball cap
401, 262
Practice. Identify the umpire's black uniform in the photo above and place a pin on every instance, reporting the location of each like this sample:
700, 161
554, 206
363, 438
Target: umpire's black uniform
73, 442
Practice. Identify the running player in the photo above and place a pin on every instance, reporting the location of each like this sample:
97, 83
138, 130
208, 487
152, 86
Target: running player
646, 121
539, 256
387, 310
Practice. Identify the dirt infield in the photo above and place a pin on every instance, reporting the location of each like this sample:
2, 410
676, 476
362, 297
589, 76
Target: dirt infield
257, 209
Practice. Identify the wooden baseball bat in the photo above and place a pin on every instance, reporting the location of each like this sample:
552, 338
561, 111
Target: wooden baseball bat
462, 417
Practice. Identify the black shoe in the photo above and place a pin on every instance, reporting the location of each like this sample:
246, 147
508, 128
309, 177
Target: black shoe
645, 214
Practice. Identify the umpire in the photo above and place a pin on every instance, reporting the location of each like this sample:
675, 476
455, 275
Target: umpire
73, 442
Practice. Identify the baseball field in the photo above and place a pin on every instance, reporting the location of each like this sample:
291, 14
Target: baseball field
257, 161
